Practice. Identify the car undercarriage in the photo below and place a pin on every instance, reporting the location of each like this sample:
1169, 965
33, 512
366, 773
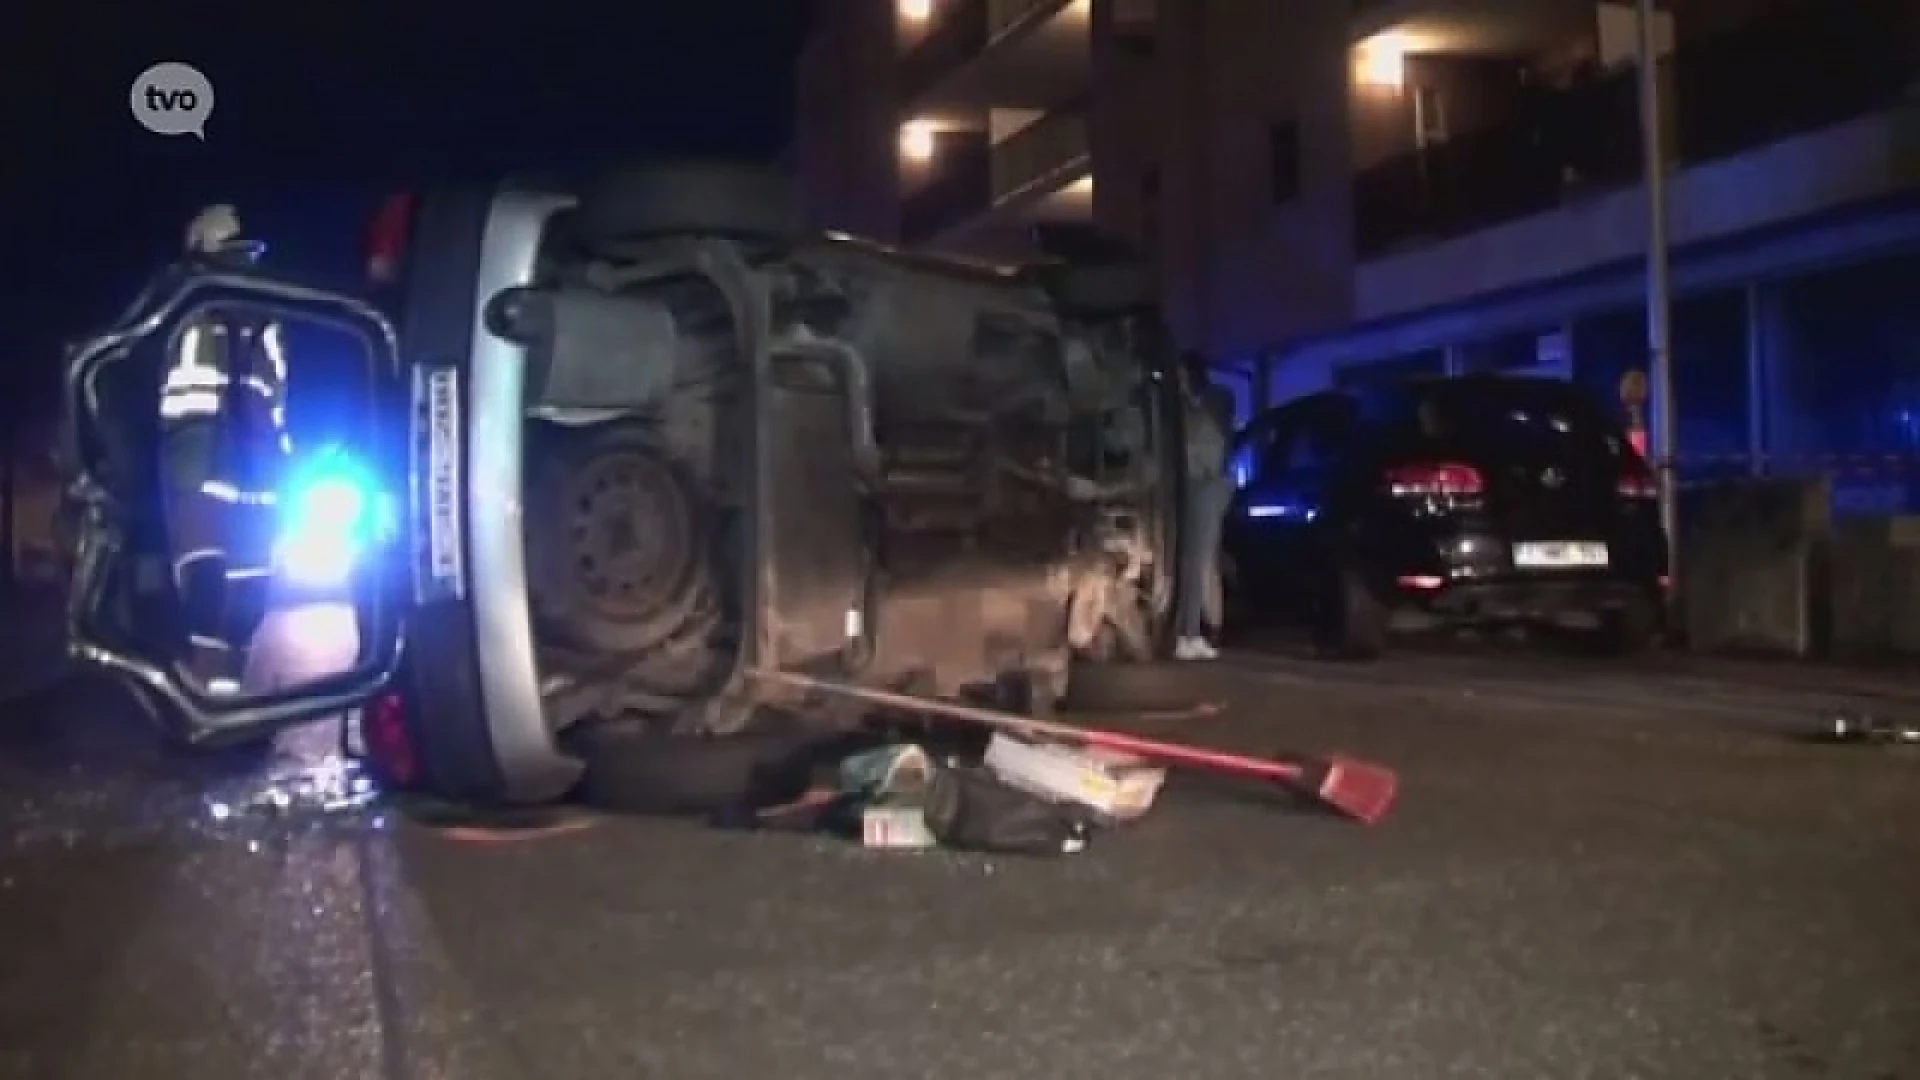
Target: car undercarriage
958, 487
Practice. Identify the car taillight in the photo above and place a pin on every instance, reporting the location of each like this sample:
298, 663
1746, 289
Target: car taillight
387, 238
1637, 482
1440, 478
389, 740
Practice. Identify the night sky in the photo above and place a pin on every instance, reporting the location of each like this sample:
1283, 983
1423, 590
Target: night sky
320, 109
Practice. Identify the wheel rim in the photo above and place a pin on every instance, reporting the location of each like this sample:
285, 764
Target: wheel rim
631, 536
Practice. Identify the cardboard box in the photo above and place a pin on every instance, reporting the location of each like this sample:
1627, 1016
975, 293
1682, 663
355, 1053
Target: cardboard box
1115, 786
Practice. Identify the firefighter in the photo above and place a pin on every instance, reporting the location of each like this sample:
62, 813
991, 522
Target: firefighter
223, 443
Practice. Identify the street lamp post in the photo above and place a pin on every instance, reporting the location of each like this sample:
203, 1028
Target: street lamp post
1653, 136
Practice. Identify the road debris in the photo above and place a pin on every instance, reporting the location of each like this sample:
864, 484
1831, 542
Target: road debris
890, 783
1116, 787
898, 797
332, 785
896, 827
907, 801
1360, 790
970, 809
1863, 728
901, 769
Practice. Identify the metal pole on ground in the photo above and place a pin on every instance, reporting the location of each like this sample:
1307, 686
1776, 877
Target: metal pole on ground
1653, 138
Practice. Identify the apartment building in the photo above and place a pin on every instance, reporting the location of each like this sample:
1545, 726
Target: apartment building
1337, 191
952, 125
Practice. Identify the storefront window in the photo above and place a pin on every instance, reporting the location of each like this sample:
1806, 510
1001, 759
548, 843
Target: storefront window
1848, 349
1846, 383
1529, 353
1710, 375
1428, 363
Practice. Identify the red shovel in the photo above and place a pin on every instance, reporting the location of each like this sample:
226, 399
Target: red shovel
1358, 789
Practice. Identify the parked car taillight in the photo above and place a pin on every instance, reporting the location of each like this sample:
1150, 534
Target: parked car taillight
1637, 482
1438, 478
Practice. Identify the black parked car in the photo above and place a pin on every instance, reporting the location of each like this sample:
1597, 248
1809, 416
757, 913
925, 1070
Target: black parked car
1477, 500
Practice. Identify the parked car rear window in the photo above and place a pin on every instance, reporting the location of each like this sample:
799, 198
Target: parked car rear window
1531, 414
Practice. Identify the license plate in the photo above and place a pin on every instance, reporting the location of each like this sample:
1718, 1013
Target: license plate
1559, 555
439, 566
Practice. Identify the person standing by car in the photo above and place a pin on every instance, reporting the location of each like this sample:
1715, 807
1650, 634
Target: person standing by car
1209, 420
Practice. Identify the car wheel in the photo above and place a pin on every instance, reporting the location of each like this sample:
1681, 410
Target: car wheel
619, 542
715, 198
633, 766
1349, 620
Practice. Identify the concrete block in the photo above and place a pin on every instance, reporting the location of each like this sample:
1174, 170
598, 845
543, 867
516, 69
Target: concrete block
1747, 548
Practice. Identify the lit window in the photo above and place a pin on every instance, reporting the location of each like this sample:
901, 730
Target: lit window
915, 10
916, 141
1382, 61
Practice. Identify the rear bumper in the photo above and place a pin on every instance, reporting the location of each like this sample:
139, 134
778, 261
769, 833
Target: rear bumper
473, 684
1530, 596
1469, 574
1469, 571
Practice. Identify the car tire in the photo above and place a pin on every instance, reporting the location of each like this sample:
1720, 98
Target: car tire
712, 198
1349, 621
634, 767
1626, 630
1119, 686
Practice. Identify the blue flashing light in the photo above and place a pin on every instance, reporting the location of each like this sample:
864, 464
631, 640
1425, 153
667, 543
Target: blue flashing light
327, 523
1283, 511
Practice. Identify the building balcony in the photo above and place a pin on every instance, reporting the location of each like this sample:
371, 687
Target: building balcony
1585, 140
958, 188
1039, 172
1800, 112
1040, 158
975, 54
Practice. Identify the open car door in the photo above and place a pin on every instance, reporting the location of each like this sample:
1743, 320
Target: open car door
237, 455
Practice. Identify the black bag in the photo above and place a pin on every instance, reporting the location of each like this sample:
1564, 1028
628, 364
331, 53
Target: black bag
971, 809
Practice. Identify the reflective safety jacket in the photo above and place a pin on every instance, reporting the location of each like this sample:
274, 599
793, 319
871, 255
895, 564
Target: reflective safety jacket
224, 442
223, 410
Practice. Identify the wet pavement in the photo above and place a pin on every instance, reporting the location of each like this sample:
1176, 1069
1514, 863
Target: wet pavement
1596, 870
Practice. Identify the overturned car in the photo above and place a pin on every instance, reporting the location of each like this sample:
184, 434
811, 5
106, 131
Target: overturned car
598, 459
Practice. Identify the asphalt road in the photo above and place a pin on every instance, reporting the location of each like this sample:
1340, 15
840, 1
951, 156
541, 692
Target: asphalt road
1595, 871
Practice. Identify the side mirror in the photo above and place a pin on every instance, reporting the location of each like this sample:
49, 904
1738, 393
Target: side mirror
241, 475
